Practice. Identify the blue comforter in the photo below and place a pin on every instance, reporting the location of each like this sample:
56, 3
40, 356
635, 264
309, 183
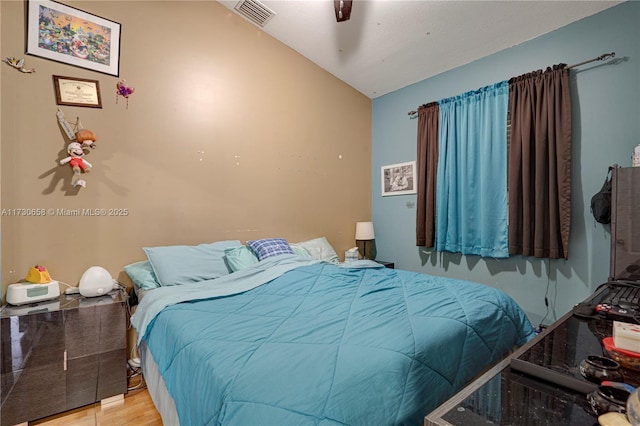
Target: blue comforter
323, 344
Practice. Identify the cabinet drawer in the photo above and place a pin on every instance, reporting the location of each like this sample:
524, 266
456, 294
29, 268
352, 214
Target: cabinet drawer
95, 329
35, 392
112, 377
81, 381
32, 340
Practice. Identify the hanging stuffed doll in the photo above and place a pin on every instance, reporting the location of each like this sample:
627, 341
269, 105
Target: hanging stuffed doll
86, 138
75, 132
78, 164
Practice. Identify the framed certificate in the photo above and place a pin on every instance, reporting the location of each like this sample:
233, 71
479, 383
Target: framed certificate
77, 92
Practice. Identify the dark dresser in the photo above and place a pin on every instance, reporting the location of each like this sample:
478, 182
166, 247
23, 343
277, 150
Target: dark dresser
61, 354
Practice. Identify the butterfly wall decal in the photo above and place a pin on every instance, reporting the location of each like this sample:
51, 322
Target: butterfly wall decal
123, 90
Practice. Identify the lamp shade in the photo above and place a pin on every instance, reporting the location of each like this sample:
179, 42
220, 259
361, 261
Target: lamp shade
364, 231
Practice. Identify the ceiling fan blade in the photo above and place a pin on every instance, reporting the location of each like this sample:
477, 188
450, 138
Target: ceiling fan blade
342, 9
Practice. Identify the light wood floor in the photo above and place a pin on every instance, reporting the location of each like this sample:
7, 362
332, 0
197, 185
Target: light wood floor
137, 409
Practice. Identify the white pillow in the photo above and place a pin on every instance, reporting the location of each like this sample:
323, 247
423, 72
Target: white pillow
319, 248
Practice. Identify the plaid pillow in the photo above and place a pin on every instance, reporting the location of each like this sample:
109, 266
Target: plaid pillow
269, 247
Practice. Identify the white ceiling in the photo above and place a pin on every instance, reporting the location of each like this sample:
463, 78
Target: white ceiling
390, 44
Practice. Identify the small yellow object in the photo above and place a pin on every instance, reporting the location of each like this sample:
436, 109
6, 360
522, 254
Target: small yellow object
613, 419
38, 275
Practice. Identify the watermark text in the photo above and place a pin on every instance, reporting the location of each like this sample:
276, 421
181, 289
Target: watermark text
58, 212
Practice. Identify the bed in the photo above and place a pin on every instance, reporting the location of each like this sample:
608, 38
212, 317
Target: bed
291, 339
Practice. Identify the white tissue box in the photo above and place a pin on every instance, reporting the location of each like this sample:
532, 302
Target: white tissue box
626, 336
350, 256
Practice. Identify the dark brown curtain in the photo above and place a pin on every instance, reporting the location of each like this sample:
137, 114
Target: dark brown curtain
540, 163
427, 166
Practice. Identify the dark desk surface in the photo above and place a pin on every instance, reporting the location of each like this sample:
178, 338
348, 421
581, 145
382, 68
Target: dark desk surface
62, 303
506, 396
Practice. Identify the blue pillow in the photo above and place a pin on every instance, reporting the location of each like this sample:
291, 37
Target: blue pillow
178, 265
269, 247
142, 275
238, 258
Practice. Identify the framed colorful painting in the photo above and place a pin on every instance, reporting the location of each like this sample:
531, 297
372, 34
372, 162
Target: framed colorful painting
71, 36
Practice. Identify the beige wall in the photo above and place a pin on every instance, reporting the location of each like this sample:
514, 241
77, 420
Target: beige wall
229, 135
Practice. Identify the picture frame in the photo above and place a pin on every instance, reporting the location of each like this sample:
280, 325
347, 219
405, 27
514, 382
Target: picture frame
399, 179
81, 92
65, 34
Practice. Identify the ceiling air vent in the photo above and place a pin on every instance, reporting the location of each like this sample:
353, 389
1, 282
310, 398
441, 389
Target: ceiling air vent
255, 11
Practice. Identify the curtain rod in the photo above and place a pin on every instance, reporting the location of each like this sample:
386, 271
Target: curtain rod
599, 58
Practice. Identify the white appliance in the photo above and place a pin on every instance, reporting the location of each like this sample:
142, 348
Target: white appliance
95, 281
23, 293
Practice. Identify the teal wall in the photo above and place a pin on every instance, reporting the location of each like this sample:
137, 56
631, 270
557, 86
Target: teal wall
606, 127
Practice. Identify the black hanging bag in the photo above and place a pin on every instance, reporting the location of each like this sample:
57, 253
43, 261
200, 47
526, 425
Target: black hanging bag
601, 201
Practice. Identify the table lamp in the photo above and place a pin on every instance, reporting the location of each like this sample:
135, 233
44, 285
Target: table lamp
364, 234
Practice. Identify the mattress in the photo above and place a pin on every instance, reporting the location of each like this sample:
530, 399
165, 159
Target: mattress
300, 342
157, 389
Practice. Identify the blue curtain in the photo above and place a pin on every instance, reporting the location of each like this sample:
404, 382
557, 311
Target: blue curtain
471, 188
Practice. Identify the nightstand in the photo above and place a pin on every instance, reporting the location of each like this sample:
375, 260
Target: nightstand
389, 265
61, 354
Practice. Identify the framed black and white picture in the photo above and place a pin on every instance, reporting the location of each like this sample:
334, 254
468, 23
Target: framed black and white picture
399, 179
74, 37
